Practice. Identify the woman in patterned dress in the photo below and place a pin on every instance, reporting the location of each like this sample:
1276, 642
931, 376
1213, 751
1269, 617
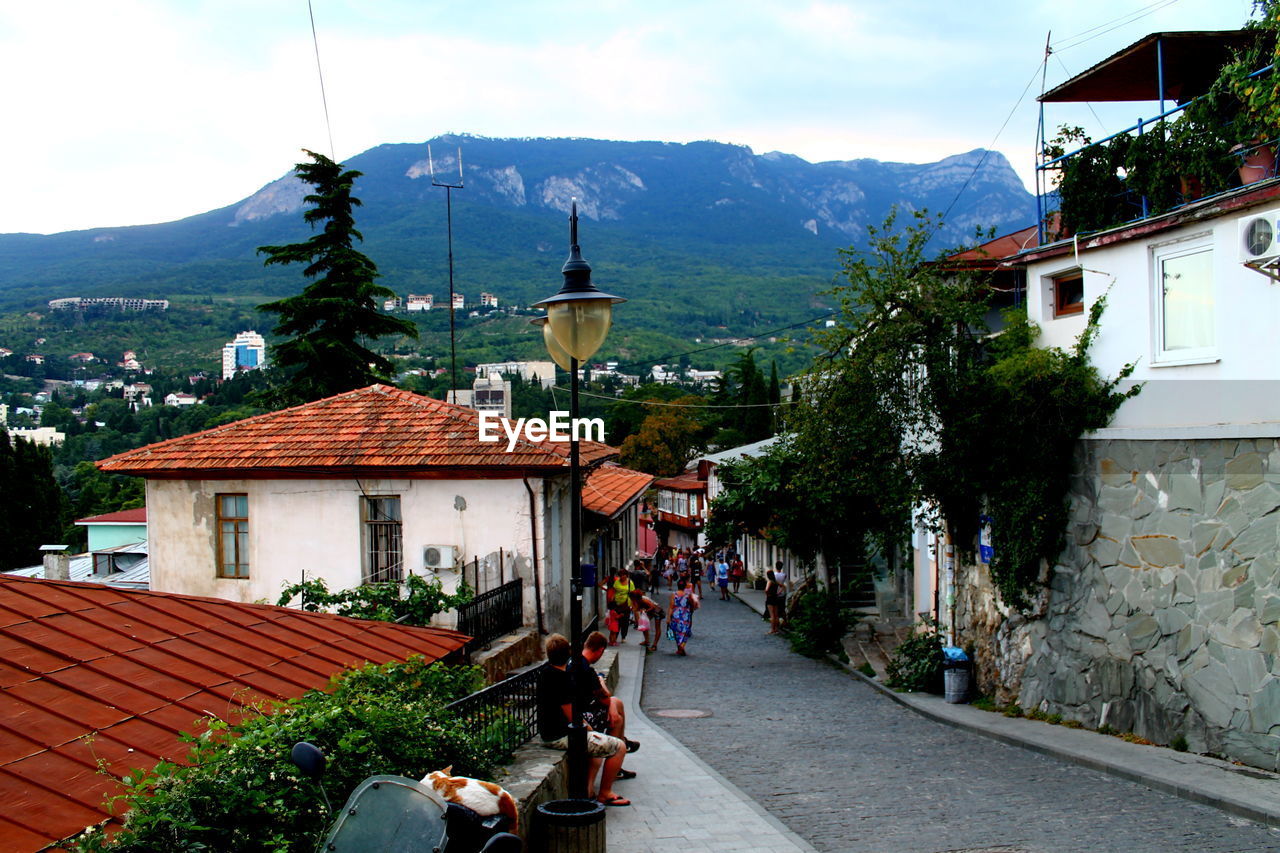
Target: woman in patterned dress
680, 614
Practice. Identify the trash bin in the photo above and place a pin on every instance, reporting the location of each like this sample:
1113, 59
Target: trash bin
956, 672
569, 826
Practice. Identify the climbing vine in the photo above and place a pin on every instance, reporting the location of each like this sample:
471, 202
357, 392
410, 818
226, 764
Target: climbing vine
917, 401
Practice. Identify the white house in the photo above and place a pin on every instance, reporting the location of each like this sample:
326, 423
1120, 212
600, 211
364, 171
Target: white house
362, 487
1162, 613
181, 400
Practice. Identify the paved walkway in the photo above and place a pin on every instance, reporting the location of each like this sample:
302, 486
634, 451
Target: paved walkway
851, 769
671, 789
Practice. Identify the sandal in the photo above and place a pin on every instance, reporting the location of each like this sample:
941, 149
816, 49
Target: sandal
615, 800
624, 773
632, 745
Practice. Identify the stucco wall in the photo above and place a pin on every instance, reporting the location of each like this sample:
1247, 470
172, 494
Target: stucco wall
1246, 313
314, 526
103, 536
1163, 614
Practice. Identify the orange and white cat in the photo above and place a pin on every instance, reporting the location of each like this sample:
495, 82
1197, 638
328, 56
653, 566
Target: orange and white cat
483, 798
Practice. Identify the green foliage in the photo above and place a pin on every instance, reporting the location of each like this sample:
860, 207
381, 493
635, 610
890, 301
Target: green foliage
329, 322
667, 438
817, 622
1091, 190
32, 511
916, 664
412, 603
1179, 743
240, 792
867, 669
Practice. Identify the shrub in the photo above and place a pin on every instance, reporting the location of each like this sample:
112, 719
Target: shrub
241, 792
917, 663
867, 670
817, 623
1179, 743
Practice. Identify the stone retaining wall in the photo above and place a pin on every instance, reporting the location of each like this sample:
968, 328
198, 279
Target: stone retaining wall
1162, 613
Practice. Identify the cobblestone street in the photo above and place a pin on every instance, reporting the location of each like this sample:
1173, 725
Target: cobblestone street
848, 769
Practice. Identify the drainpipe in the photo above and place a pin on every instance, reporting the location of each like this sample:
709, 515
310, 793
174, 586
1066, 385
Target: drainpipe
533, 537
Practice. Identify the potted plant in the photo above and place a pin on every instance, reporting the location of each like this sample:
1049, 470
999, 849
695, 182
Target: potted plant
1256, 98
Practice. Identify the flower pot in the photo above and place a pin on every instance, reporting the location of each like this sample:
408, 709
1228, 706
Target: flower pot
1257, 162
1190, 187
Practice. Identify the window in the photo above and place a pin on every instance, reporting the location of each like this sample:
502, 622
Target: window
383, 544
233, 535
1068, 294
1184, 304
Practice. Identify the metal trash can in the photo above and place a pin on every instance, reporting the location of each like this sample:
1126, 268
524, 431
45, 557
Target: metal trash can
569, 826
957, 670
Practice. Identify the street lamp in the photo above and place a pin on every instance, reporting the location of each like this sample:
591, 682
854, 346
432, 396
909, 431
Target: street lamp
577, 321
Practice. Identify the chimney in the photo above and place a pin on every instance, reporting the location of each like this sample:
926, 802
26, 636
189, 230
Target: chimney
57, 565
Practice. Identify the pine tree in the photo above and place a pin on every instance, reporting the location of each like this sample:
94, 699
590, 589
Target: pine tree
330, 322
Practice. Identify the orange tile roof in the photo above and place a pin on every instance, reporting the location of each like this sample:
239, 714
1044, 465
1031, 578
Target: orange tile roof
366, 430
133, 668
609, 488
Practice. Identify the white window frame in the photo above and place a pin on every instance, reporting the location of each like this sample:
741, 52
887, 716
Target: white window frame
1160, 357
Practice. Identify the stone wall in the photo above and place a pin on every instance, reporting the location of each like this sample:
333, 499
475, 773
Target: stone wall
1162, 613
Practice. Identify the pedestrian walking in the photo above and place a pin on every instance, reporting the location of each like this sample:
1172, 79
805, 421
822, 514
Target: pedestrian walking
695, 572
648, 617
683, 603
737, 572
722, 579
775, 599
618, 587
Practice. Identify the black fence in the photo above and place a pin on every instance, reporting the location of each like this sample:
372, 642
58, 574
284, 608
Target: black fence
492, 614
502, 716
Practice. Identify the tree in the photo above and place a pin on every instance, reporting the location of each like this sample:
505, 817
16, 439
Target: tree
31, 506
667, 439
330, 322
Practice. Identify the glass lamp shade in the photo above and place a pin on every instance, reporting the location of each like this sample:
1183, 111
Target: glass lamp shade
580, 325
558, 355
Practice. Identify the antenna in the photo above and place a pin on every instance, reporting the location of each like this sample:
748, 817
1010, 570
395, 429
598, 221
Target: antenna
448, 198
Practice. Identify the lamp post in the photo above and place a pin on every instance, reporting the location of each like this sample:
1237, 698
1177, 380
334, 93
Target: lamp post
577, 321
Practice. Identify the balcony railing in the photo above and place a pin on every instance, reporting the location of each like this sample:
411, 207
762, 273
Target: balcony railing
492, 614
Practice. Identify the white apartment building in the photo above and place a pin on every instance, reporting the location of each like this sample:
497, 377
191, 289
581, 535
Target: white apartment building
248, 351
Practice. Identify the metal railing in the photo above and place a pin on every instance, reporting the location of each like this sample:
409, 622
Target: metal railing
492, 614
502, 716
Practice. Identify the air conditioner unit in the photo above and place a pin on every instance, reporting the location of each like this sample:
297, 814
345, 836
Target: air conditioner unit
438, 557
1259, 237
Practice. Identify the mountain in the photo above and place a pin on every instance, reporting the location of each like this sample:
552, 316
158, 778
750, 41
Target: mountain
702, 234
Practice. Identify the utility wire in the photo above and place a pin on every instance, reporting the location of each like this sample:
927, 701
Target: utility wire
1112, 25
680, 405
987, 151
333, 152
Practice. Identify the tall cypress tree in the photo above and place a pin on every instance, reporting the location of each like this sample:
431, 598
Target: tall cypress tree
330, 322
31, 503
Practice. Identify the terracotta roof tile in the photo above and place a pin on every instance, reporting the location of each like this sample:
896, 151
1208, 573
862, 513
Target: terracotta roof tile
609, 488
376, 427
686, 482
134, 668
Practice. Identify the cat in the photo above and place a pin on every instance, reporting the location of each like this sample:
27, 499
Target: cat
483, 798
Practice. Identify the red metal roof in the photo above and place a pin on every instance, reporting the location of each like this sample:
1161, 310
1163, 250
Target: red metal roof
131, 669
124, 516
610, 488
1190, 62
366, 430
686, 482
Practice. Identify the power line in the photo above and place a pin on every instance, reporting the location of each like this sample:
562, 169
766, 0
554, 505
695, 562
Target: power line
680, 405
1112, 25
333, 152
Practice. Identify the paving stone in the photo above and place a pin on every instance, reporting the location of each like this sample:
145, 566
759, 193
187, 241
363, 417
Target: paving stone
848, 769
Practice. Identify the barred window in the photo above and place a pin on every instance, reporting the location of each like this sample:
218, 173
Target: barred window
383, 540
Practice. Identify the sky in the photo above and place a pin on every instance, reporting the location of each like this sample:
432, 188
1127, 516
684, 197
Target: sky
137, 111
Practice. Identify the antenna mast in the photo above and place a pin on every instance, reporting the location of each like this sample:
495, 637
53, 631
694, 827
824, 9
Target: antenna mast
449, 187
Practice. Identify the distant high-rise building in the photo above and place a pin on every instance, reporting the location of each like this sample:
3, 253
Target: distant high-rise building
247, 352
459, 302
488, 300
415, 302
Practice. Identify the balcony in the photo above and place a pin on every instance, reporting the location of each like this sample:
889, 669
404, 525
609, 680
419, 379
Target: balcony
1222, 134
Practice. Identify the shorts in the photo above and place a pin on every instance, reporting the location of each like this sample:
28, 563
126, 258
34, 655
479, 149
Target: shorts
723, 583
599, 744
